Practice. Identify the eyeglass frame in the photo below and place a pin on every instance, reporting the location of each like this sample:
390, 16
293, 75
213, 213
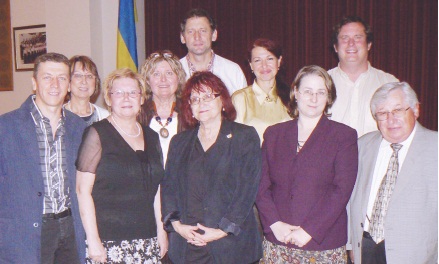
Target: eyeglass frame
121, 94
309, 95
206, 96
396, 113
87, 77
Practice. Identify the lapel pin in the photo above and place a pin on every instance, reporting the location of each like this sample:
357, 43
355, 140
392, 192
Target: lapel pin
229, 135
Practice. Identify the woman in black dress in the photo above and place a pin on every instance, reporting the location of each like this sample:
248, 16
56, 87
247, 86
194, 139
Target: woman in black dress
212, 176
119, 169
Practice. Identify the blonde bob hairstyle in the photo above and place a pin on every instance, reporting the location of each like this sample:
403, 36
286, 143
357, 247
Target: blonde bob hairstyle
151, 63
119, 74
306, 71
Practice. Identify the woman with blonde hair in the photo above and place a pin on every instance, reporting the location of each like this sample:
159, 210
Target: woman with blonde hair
164, 80
119, 169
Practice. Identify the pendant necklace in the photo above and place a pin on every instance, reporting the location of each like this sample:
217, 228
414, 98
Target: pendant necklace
163, 131
123, 131
267, 98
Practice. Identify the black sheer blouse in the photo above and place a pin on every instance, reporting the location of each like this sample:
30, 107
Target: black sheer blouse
126, 181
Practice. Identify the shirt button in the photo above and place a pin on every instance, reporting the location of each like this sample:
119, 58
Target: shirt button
35, 224
358, 244
292, 196
361, 225
39, 193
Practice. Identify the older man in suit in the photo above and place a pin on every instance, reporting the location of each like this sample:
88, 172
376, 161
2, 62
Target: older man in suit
394, 206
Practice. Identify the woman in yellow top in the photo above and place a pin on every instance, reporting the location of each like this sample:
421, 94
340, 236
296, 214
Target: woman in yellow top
264, 103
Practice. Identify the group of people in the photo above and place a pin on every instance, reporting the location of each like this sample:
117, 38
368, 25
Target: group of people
172, 171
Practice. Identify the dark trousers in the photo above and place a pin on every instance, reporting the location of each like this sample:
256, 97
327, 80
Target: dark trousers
58, 243
371, 252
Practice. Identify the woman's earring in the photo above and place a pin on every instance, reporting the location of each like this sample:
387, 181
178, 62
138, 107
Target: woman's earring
224, 109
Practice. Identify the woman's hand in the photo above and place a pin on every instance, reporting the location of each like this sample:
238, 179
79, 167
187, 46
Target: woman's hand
189, 233
210, 234
281, 230
298, 237
162, 239
96, 251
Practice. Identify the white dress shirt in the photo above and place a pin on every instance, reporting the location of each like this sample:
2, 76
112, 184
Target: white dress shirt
383, 158
352, 106
228, 71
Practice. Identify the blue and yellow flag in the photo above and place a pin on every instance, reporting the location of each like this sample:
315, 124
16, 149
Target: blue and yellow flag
126, 36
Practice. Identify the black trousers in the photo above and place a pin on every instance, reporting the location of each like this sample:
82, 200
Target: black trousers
371, 252
58, 243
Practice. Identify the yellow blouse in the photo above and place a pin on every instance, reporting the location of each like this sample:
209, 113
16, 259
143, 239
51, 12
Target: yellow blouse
256, 108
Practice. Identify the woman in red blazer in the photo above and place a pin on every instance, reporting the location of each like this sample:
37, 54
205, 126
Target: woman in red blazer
309, 167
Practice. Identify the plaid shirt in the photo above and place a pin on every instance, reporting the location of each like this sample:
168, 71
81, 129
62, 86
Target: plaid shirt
53, 162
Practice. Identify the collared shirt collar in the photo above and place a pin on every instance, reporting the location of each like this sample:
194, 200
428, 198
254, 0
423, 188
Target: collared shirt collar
345, 75
407, 142
262, 96
192, 68
38, 116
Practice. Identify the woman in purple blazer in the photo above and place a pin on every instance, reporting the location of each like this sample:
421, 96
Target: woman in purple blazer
309, 167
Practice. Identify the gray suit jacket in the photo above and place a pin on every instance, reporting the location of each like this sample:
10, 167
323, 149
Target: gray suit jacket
411, 223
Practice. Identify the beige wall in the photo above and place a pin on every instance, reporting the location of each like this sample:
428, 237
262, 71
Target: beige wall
73, 27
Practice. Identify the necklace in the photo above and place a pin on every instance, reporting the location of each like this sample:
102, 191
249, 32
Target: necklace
209, 65
130, 135
70, 109
268, 99
163, 131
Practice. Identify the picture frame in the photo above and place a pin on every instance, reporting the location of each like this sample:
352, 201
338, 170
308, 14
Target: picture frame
6, 56
29, 43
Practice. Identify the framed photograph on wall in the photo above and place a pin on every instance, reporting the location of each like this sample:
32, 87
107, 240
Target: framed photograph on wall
29, 43
6, 57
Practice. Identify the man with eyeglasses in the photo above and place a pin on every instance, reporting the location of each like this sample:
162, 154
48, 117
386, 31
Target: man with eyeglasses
355, 79
39, 216
394, 205
198, 31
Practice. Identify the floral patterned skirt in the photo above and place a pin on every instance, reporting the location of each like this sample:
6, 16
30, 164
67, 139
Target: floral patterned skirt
278, 254
137, 251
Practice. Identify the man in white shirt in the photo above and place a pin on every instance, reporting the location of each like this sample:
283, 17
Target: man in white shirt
198, 31
354, 78
393, 212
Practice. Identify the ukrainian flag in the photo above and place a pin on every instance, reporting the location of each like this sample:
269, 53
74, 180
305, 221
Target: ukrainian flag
126, 36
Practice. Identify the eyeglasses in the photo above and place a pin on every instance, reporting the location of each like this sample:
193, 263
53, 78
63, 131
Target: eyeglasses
397, 113
79, 77
164, 54
308, 94
121, 94
205, 98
